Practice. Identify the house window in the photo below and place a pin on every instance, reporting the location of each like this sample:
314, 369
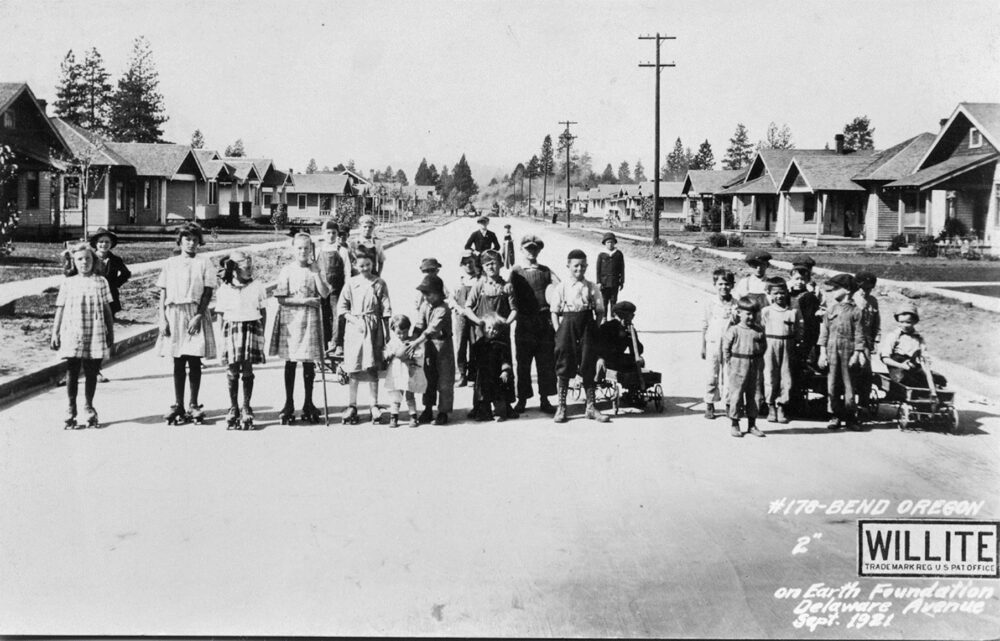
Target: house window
808, 208
32, 186
71, 192
9, 121
147, 194
119, 196
213, 193
302, 201
975, 138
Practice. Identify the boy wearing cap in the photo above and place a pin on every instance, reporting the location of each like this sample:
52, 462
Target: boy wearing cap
482, 239
720, 312
871, 325
371, 242
576, 307
334, 273
610, 272
743, 348
433, 330
430, 266
841, 347
782, 327
110, 265
471, 273
615, 349
904, 352
756, 281
534, 334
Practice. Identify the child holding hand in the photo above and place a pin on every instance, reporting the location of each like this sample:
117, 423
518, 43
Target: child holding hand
405, 375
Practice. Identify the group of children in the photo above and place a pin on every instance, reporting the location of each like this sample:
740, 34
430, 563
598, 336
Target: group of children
763, 339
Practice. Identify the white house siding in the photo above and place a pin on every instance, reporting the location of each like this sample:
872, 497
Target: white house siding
796, 216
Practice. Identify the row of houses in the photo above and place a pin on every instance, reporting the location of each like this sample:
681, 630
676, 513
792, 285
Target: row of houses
64, 168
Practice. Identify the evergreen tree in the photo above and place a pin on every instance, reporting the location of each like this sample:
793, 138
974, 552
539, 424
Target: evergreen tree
608, 176
137, 113
493, 181
388, 174
518, 178
640, 172
704, 159
624, 173
423, 175
236, 150
401, 178
197, 140
777, 138
433, 177
445, 182
350, 165
740, 151
311, 167
677, 163
463, 184
340, 168
70, 101
859, 134
546, 165
97, 91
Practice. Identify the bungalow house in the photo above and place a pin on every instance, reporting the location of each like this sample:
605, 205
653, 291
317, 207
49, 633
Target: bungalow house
819, 197
627, 203
242, 196
581, 202
37, 147
318, 195
601, 201
962, 162
391, 198
701, 189
672, 201
168, 184
273, 183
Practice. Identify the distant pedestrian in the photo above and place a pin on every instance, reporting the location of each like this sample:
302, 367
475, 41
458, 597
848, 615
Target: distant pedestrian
742, 350
482, 239
782, 325
720, 313
433, 332
507, 250
842, 348
610, 272
534, 334
365, 305
298, 331
241, 302
83, 330
404, 376
494, 376
334, 271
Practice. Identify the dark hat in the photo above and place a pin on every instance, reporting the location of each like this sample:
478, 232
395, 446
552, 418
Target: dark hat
777, 283
758, 256
490, 256
483, 220
329, 223
907, 308
864, 279
293, 231
804, 260
101, 231
430, 284
623, 307
429, 263
842, 280
507, 226
193, 230
469, 257
576, 254
609, 236
531, 239
747, 304
345, 230
364, 251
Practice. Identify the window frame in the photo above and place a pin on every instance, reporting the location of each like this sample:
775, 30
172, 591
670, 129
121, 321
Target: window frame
213, 192
975, 138
73, 191
300, 201
32, 189
119, 196
9, 119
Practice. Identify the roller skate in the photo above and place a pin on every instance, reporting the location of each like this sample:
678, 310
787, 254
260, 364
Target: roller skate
70, 423
246, 422
394, 420
92, 420
310, 414
287, 414
350, 416
196, 414
376, 414
176, 416
233, 418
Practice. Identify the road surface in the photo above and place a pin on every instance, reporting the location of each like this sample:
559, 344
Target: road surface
652, 525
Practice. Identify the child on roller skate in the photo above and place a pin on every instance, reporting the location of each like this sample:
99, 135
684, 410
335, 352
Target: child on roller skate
365, 305
298, 332
83, 331
742, 350
186, 283
405, 375
241, 302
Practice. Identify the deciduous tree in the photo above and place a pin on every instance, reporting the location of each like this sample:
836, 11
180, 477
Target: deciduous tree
777, 138
197, 140
311, 167
236, 150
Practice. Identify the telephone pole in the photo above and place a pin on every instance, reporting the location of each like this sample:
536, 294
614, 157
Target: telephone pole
568, 140
656, 157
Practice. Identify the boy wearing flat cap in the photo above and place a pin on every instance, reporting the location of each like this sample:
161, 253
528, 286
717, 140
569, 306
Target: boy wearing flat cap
614, 342
370, 241
871, 325
576, 307
482, 239
782, 327
904, 352
755, 282
610, 272
433, 330
430, 266
841, 347
534, 334
743, 347
471, 273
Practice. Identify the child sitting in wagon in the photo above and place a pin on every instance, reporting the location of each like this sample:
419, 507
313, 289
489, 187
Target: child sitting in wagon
904, 352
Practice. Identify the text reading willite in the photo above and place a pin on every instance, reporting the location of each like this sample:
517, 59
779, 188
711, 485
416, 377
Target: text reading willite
928, 548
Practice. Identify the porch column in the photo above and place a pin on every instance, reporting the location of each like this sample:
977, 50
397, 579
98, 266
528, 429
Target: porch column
163, 201
820, 215
928, 204
900, 212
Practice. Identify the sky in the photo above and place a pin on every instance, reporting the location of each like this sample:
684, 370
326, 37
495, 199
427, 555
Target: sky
388, 83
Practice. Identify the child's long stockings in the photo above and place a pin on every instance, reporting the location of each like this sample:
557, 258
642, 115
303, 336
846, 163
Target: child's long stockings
308, 377
194, 375
290, 383
90, 368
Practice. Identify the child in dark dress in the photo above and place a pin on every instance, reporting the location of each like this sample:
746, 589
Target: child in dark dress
494, 386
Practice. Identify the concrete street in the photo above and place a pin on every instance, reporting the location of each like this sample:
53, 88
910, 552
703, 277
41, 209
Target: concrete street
652, 525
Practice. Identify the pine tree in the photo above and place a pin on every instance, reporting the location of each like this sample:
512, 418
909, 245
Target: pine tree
624, 173
677, 163
311, 167
97, 91
350, 165
546, 166
137, 113
445, 182
433, 177
463, 184
401, 178
423, 175
859, 134
608, 177
531, 170
197, 140
236, 150
70, 101
704, 159
640, 172
740, 151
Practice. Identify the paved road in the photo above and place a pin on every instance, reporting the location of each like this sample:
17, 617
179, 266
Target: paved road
652, 525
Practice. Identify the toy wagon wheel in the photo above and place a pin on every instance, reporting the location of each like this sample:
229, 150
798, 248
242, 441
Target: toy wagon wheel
658, 398
875, 397
577, 391
953, 420
903, 416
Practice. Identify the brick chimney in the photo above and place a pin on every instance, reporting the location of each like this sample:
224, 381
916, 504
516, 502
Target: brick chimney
942, 123
840, 143
44, 104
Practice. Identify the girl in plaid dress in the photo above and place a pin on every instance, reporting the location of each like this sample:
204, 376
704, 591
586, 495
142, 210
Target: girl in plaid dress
298, 332
186, 283
365, 305
83, 330
241, 302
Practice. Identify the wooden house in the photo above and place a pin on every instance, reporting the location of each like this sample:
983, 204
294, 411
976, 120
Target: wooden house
318, 195
168, 184
701, 188
818, 196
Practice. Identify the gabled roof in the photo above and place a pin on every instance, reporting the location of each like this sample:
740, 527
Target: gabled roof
668, 189
604, 191
154, 159
337, 184
216, 169
945, 170
985, 116
755, 186
11, 92
897, 161
356, 176
709, 181
826, 173
242, 169
84, 143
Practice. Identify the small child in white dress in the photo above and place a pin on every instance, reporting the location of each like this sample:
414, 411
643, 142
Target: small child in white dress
405, 375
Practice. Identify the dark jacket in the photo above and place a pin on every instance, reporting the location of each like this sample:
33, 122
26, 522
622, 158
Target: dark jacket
331, 267
480, 242
610, 270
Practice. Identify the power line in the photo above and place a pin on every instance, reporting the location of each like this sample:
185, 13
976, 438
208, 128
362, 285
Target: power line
656, 154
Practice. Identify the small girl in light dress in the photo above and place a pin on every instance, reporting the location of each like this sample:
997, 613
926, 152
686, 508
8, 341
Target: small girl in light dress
241, 301
405, 376
83, 330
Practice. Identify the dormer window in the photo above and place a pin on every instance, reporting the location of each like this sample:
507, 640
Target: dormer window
9, 121
975, 138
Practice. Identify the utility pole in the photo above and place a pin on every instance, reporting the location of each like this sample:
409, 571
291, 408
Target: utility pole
568, 140
656, 154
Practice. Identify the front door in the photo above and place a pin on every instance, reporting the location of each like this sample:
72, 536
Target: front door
980, 208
